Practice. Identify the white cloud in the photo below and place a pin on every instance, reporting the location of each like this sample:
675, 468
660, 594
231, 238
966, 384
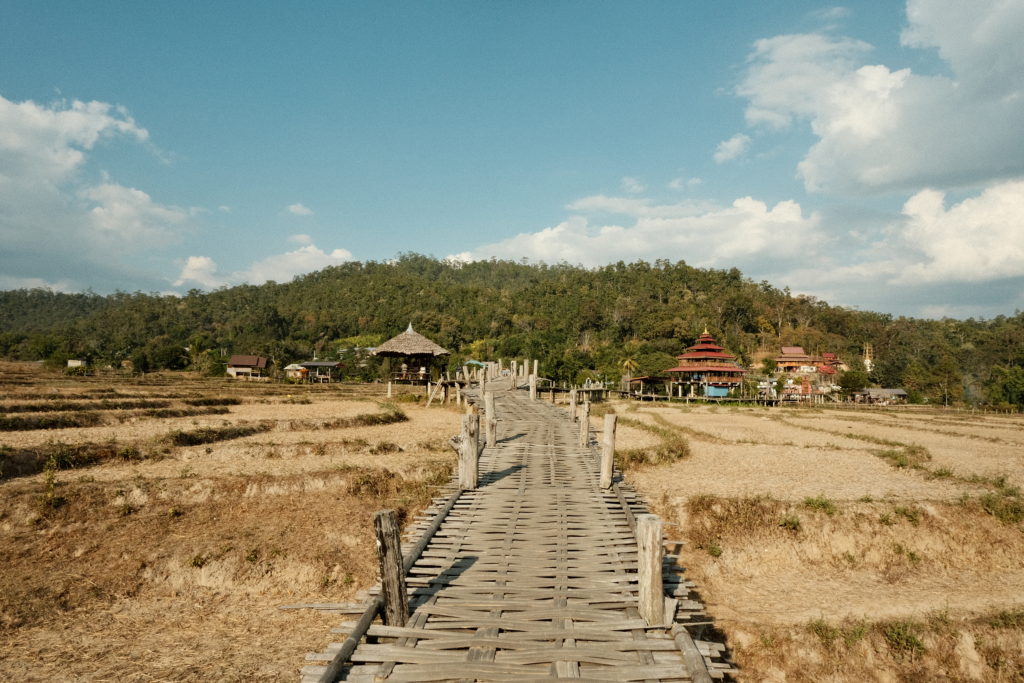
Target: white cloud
203, 271
283, 267
979, 239
223, 208
732, 148
300, 210
300, 238
684, 183
632, 185
58, 225
46, 144
746, 232
884, 130
125, 214
629, 206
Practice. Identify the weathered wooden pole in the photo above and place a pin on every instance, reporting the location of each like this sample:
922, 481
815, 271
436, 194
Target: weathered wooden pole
392, 574
533, 387
608, 451
649, 556
536, 364
389, 388
470, 451
572, 403
585, 425
490, 420
458, 393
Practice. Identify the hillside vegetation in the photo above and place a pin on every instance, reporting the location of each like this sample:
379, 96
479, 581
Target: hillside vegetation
579, 322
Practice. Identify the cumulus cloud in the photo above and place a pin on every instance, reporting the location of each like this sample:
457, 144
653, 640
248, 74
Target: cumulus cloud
732, 148
746, 232
882, 130
979, 239
57, 226
300, 238
125, 214
46, 144
300, 210
200, 270
203, 270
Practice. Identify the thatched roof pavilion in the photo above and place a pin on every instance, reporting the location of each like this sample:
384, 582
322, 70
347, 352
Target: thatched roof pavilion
409, 344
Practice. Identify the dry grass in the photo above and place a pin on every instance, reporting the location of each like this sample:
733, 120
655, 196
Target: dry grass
829, 545
171, 565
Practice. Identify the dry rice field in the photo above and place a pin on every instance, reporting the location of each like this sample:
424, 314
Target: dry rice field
159, 540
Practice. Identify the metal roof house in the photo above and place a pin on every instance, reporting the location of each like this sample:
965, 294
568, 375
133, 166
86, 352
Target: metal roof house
246, 367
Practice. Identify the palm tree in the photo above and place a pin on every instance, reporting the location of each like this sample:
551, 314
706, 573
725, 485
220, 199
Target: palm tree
629, 366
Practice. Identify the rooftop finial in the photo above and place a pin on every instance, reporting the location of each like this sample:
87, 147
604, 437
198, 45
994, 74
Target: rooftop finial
706, 330
409, 329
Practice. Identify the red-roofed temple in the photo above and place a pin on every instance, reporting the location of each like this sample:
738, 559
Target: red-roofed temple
707, 369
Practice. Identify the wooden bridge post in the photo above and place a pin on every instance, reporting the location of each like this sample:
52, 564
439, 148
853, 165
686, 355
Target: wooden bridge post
585, 425
470, 451
649, 556
490, 420
608, 451
533, 387
536, 369
572, 403
392, 573
389, 388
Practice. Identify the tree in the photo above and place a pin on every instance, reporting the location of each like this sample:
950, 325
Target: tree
852, 381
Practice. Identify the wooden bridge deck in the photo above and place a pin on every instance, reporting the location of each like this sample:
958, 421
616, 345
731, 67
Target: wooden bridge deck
531, 576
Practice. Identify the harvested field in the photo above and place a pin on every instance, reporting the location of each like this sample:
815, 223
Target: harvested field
171, 564
850, 545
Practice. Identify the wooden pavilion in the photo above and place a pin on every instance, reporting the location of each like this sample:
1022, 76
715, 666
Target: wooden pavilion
419, 356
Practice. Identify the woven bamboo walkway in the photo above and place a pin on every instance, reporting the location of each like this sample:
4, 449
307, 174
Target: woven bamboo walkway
531, 576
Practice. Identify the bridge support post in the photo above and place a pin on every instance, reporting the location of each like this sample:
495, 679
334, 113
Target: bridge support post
392, 573
470, 452
608, 451
585, 425
572, 404
650, 552
389, 388
533, 387
490, 420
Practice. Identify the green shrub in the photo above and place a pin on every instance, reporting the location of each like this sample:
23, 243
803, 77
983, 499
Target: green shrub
822, 504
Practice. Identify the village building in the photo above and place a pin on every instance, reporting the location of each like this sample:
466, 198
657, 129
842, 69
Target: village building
247, 367
706, 369
314, 371
794, 359
881, 396
322, 371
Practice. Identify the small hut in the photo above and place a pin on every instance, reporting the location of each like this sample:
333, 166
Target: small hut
418, 355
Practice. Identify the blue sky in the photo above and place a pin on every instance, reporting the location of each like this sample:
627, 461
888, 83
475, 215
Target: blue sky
868, 153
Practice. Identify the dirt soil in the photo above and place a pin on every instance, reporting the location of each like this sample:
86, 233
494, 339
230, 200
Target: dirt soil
174, 566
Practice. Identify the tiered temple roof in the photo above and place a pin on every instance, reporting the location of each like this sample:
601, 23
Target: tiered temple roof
708, 363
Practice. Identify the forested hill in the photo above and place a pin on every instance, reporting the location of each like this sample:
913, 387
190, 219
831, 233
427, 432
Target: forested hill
577, 321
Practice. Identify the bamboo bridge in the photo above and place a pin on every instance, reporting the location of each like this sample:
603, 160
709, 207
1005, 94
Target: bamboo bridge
535, 566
